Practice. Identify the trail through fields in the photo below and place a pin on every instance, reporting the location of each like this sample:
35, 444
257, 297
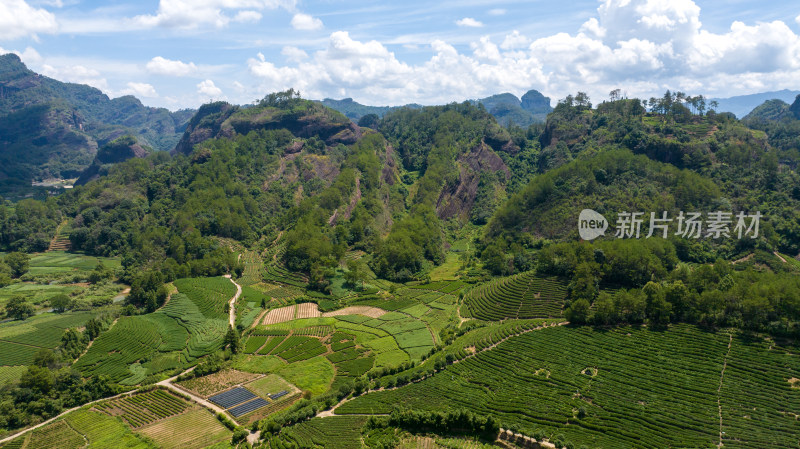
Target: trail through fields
232, 302
719, 389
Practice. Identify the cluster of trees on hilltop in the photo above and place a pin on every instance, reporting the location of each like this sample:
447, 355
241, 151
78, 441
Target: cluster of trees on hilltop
717, 295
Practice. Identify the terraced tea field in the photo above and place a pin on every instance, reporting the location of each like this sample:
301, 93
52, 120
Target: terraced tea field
338, 432
191, 325
521, 296
620, 388
21, 340
195, 429
144, 408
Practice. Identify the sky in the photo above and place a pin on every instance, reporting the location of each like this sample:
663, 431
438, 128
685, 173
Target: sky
183, 53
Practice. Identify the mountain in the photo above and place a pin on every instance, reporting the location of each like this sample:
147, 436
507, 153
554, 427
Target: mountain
302, 119
743, 104
50, 129
770, 110
506, 108
354, 110
114, 152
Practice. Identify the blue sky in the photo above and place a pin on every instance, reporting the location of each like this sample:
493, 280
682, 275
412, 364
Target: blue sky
181, 53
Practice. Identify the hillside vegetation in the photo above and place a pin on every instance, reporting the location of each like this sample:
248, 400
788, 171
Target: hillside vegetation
418, 281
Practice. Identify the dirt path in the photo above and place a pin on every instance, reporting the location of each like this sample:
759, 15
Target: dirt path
232, 302
719, 389
779, 256
461, 319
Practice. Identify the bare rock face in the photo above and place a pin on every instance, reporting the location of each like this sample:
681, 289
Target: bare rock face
457, 200
295, 147
224, 120
206, 124
389, 172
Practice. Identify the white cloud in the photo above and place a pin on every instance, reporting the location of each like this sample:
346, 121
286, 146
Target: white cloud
247, 16
469, 22
194, 13
641, 46
294, 54
497, 12
19, 19
797, 19
163, 66
514, 40
140, 90
208, 88
302, 21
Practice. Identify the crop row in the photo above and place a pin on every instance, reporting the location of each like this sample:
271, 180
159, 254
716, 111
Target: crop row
520, 296
278, 273
620, 388
314, 331
253, 268
57, 435
145, 408
210, 294
338, 432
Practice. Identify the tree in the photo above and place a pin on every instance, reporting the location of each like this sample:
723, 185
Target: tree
615, 95
45, 358
19, 308
93, 328
233, 340
99, 273
604, 312
38, 379
657, 308
19, 263
356, 273
584, 282
148, 290
578, 312
60, 302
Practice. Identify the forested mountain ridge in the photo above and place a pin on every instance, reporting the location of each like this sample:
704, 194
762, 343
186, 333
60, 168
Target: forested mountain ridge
58, 127
506, 108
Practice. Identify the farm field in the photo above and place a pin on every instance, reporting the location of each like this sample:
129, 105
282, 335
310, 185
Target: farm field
191, 325
11, 373
81, 429
195, 429
144, 408
521, 296
214, 383
576, 381
37, 294
59, 272
60, 262
338, 432
55, 436
22, 339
